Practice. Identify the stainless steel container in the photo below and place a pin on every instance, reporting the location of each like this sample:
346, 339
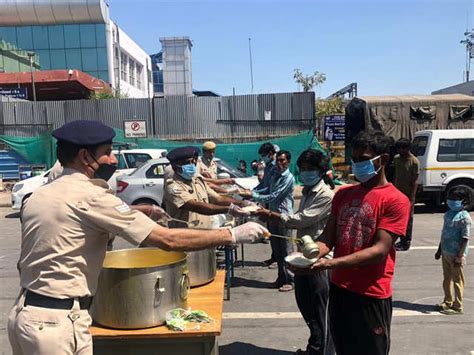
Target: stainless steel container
138, 286
202, 266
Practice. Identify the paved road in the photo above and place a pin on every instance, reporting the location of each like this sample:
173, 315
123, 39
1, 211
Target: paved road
262, 321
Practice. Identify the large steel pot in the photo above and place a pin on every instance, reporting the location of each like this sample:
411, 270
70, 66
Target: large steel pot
138, 286
202, 266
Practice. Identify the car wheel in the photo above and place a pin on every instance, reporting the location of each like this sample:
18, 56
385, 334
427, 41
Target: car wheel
145, 201
468, 186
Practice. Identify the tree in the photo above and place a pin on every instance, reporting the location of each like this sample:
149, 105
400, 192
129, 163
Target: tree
309, 81
329, 107
106, 95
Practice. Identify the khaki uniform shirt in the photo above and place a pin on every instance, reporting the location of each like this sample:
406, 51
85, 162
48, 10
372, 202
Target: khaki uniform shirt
406, 171
65, 228
179, 191
205, 166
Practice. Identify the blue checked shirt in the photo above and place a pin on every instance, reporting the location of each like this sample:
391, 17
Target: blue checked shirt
278, 195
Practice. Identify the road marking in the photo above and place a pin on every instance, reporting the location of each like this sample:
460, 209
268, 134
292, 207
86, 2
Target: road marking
297, 315
431, 247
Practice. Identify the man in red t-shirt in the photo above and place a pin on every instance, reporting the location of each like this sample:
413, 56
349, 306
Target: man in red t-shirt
365, 221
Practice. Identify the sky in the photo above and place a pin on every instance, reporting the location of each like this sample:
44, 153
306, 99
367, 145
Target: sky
386, 47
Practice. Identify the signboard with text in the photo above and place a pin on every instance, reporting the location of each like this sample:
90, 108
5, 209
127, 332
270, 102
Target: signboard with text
17, 93
334, 128
135, 129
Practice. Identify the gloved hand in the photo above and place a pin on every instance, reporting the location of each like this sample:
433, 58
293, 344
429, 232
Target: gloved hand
246, 203
157, 213
236, 211
249, 232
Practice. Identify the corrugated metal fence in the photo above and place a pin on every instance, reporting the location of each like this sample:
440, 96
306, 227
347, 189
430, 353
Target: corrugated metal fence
227, 118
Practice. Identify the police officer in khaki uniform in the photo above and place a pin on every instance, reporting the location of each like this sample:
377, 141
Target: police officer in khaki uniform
65, 228
206, 165
187, 197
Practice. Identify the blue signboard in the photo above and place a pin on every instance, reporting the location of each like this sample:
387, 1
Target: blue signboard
17, 93
334, 128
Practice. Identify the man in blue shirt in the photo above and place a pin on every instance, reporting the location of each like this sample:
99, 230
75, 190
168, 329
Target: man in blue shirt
278, 197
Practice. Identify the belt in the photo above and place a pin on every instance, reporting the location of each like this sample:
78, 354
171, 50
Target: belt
37, 300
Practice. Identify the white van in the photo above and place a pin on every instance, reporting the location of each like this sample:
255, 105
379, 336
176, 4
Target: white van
446, 160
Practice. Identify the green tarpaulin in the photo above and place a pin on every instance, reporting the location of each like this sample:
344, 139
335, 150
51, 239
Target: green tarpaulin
42, 149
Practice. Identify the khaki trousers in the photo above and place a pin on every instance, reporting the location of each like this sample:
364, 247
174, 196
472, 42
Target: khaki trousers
45, 331
453, 278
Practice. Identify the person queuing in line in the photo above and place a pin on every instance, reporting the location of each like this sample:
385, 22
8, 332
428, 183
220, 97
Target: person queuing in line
453, 249
242, 166
312, 290
365, 221
278, 196
267, 154
187, 197
64, 233
406, 172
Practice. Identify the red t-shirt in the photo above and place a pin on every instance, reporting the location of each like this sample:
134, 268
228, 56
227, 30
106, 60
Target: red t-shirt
359, 213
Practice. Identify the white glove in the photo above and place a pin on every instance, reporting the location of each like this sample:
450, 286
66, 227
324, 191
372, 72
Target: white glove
249, 232
247, 203
157, 213
236, 211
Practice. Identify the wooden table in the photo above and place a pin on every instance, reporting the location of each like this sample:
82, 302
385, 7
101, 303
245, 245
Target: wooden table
161, 340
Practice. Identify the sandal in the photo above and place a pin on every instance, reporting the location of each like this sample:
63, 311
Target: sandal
286, 288
452, 312
443, 306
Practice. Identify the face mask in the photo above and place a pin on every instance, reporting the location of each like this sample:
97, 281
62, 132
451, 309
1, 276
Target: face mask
455, 205
365, 170
104, 171
188, 171
310, 178
266, 159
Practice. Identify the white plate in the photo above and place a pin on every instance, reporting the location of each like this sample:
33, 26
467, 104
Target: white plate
298, 260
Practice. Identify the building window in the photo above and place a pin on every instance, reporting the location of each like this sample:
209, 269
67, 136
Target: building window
131, 71
139, 76
123, 66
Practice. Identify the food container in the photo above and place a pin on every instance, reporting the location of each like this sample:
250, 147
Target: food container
310, 248
138, 286
202, 266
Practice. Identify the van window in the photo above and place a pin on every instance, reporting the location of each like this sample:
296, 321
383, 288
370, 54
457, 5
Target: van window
135, 160
456, 150
418, 147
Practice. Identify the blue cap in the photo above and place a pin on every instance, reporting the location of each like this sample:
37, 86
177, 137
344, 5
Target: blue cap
183, 153
83, 132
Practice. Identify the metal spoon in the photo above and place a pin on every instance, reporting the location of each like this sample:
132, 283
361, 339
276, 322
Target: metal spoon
293, 239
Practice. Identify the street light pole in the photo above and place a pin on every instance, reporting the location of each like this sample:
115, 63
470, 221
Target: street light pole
31, 55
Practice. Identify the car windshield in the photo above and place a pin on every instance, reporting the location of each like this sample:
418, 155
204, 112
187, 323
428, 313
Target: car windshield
224, 167
418, 147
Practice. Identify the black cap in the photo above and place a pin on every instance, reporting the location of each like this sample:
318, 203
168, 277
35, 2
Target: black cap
83, 132
183, 153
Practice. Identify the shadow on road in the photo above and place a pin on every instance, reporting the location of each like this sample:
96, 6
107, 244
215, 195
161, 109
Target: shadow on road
423, 308
238, 263
420, 209
239, 348
13, 215
241, 282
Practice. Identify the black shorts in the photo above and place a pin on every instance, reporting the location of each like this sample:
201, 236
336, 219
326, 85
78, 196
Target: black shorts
360, 325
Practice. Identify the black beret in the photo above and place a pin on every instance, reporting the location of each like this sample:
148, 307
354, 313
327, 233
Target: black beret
83, 132
182, 153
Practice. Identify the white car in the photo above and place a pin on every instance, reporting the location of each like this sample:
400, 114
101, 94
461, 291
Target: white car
145, 184
128, 161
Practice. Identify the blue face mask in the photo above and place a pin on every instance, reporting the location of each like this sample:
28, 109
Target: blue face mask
310, 178
455, 205
266, 159
188, 171
365, 170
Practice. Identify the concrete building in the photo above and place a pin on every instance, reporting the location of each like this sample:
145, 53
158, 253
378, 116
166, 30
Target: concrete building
172, 70
78, 35
463, 88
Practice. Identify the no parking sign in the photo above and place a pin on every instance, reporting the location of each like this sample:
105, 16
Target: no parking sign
135, 129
